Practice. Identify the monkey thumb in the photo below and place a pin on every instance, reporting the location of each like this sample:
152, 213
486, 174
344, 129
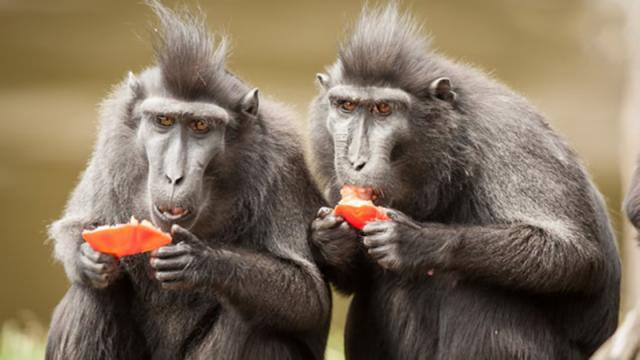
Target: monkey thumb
180, 234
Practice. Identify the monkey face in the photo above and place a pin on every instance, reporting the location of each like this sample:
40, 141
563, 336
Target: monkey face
369, 125
179, 140
184, 143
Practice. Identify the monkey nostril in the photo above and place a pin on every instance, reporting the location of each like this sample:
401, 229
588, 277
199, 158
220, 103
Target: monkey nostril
172, 181
359, 165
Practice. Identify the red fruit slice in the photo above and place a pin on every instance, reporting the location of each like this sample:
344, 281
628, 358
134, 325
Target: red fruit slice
126, 239
357, 208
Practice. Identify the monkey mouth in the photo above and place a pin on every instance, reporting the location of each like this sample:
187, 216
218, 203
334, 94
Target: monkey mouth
172, 214
368, 193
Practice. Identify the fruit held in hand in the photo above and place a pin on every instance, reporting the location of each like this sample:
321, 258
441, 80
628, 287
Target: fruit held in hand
126, 239
357, 207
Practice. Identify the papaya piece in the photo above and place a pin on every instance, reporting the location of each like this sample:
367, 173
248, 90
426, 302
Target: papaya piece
126, 239
357, 207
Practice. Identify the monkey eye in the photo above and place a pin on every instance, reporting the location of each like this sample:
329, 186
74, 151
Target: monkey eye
382, 108
347, 106
199, 126
165, 121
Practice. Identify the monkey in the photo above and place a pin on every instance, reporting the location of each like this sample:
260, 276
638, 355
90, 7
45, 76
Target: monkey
631, 204
498, 244
193, 148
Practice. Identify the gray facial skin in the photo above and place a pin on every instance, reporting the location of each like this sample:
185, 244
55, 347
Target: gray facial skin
191, 147
364, 135
498, 244
180, 141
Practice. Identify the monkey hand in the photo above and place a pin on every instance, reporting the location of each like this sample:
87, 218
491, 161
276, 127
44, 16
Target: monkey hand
401, 243
181, 265
97, 269
333, 238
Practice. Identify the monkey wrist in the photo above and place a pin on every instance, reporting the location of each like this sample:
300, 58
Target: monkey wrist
435, 246
74, 274
221, 264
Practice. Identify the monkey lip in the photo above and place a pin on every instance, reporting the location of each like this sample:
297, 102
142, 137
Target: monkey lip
172, 213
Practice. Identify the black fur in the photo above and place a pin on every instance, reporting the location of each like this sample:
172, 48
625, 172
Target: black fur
239, 281
499, 246
632, 200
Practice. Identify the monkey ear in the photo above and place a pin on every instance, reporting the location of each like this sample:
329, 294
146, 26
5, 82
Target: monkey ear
250, 103
135, 85
441, 88
323, 80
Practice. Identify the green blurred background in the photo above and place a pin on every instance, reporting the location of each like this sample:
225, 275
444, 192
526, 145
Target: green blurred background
58, 59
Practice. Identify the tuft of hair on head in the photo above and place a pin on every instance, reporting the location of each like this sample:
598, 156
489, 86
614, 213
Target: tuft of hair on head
190, 63
385, 46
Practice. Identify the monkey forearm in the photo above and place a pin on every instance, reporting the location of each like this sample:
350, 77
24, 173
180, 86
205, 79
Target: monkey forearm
344, 272
520, 256
67, 239
256, 285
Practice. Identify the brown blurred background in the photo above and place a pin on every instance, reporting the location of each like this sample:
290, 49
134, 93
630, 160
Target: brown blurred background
59, 58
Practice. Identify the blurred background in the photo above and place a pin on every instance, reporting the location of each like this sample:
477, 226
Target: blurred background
58, 59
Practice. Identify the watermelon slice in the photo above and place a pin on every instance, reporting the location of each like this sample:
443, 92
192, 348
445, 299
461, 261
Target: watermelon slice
126, 239
357, 207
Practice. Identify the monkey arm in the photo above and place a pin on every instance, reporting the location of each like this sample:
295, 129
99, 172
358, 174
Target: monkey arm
81, 263
67, 239
271, 290
632, 200
346, 274
518, 256
337, 249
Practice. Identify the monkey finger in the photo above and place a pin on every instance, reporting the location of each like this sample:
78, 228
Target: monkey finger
324, 211
401, 218
97, 280
375, 227
96, 256
376, 240
380, 252
168, 276
345, 228
176, 263
98, 268
325, 223
170, 251
182, 235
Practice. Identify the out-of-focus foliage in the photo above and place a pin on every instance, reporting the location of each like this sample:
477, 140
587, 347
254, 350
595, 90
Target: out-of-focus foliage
22, 341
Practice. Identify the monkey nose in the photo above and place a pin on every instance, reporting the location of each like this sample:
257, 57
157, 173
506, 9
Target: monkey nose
174, 180
359, 165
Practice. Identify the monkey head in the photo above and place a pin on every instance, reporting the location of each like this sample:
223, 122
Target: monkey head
377, 132
188, 113
183, 143
388, 115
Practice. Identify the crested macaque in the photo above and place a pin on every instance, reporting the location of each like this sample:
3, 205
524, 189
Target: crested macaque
498, 244
191, 147
632, 200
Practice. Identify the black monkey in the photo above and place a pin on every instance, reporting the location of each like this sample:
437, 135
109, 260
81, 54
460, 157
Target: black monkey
479, 188
190, 146
632, 200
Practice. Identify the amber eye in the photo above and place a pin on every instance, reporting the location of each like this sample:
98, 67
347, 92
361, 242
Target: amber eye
383, 108
165, 121
199, 126
347, 106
